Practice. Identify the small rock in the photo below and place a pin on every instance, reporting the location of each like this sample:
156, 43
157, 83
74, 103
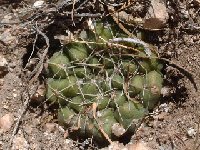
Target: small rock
157, 15
12, 65
1, 144
50, 127
28, 129
6, 122
164, 107
116, 146
1, 82
8, 39
161, 116
66, 134
10, 18
5, 107
165, 91
138, 146
14, 95
3, 66
68, 141
39, 95
20, 143
191, 132
38, 4
118, 130
6, 19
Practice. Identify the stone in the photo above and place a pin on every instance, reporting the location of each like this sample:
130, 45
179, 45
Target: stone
156, 16
6, 122
3, 66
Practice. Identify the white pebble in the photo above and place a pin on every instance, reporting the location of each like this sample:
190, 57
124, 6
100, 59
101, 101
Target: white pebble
38, 4
191, 132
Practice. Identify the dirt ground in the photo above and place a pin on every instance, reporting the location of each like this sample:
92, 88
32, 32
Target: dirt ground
173, 125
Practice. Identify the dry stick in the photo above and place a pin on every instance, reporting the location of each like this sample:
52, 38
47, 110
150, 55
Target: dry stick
33, 50
117, 21
20, 114
94, 108
196, 145
88, 15
38, 68
72, 14
135, 41
121, 26
110, 44
188, 74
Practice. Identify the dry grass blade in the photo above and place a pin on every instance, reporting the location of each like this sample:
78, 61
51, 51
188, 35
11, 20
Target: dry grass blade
94, 108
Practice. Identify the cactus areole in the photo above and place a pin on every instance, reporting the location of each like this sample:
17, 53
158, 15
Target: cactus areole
103, 90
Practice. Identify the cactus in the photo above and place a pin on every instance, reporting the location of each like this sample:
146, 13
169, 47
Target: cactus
118, 99
98, 89
136, 85
129, 68
117, 82
128, 112
151, 95
76, 51
57, 65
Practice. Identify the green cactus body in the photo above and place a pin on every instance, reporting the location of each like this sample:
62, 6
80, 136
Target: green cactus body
136, 85
108, 63
100, 36
77, 52
104, 33
100, 87
76, 103
128, 67
67, 87
105, 86
144, 66
105, 119
155, 64
129, 111
154, 80
58, 65
94, 60
108, 72
55, 97
149, 64
149, 99
80, 124
65, 115
90, 90
80, 72
102, 102
117, 82
95, 65
106, 124
105, 113
118, 99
